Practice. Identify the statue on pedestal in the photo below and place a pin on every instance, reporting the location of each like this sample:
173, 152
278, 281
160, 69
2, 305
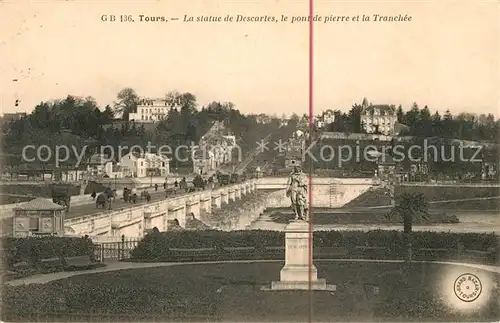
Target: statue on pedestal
297, 192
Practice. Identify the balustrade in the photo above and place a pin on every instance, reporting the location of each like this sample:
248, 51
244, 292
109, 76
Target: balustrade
176, 207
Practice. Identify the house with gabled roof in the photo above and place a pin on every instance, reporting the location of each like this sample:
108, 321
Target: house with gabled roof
379, 118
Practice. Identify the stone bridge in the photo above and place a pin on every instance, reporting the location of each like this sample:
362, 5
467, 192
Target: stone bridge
133, 221
136, 220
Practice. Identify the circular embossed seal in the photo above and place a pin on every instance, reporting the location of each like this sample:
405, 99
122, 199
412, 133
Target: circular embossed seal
467, 287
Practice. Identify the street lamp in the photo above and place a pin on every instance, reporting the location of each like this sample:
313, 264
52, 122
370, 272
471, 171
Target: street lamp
115, 181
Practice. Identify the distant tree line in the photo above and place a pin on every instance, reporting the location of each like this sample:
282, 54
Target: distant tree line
465, 126
78, 122
422, 123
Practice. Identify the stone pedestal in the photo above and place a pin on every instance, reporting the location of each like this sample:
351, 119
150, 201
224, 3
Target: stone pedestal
299, 273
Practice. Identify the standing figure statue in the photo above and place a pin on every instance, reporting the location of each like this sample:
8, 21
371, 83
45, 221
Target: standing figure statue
297, 192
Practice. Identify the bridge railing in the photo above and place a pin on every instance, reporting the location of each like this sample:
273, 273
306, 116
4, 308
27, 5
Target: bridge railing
110, 213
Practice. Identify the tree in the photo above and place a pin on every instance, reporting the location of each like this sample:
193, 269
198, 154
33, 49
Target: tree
172, 99
127, 102
108, 114
355, 118
425, 114
413, 116
436, 124
408, 206
188, 101
400, 114
423, 126
448, 128
340, 123
72, 122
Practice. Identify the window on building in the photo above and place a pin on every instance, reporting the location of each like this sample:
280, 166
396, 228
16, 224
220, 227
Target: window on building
142, 164
34, 224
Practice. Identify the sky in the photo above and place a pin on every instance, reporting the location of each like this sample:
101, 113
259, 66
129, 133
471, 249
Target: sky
446, 57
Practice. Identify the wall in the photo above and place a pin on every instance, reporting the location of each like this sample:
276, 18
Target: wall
327, 192
354, 136
241, 215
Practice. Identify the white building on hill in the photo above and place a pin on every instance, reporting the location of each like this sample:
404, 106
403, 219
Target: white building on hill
379, 119
151, 110
324, 119
146, 165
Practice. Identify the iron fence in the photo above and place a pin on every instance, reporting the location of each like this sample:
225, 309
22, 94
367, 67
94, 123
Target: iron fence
119, 250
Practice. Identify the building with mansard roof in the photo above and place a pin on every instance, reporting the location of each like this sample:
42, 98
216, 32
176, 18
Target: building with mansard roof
378, 119
152, 110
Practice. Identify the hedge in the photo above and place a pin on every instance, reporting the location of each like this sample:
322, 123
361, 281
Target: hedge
159, 246
34, 249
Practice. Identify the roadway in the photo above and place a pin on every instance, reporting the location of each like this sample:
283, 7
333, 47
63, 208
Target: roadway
90, 208
251, 156
119, 203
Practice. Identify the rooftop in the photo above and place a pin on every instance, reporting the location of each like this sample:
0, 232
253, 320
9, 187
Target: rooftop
380, 107
152, 102
39, 204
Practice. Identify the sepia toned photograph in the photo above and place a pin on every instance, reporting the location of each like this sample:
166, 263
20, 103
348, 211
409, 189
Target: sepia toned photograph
250, 161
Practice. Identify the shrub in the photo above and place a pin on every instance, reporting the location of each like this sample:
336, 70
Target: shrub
34, 249
156, 246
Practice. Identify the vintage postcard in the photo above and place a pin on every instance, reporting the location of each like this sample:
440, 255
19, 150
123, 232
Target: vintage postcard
250, 161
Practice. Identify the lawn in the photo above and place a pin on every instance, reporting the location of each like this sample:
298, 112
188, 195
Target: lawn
232, 292
358, 216
379, 196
